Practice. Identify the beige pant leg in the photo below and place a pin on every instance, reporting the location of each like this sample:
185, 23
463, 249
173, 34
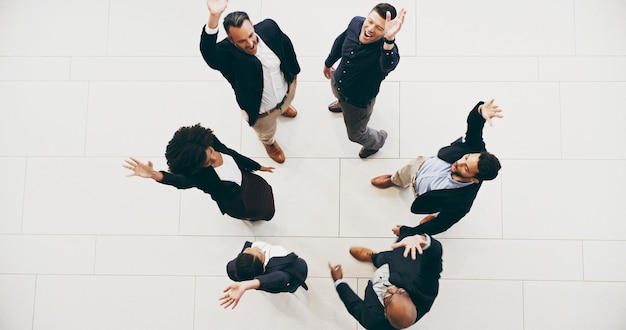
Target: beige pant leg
265, 128
405, 176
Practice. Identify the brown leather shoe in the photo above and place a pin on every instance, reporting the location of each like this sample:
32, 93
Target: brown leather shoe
275, 152
382, 181
290, 112
335, 107
362, 253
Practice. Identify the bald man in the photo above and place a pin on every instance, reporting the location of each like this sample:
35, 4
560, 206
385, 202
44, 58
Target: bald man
401, 290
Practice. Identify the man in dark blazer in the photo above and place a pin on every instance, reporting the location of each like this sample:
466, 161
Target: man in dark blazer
260, 64
446, 185
401, 290
264, 267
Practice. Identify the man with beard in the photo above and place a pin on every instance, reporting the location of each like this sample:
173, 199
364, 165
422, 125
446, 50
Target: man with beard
368, 54
446, 185
260, 64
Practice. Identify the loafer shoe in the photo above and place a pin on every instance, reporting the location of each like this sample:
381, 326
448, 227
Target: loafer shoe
364, 153
290, 112
335, 107
382, 181
362, 253
275, 152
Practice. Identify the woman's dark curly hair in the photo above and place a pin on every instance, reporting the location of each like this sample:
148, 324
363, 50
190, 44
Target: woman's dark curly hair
186, 151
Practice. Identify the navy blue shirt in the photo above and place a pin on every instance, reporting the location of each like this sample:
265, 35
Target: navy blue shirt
363, 66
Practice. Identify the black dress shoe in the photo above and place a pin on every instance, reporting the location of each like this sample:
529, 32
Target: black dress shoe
335, 107
364, 153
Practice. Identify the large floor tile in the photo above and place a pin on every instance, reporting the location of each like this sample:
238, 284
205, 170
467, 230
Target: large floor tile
450, 28
17, 300
60, 28
12, 194
502, 308
165, 255
604, 260
591, 69
34, 68
574, 305
544, 199
143, 69
367, 211
317, 308
524, 259
471, 69
168, 29
49, 118
94, 196
596, 24
588, 136
26, 254
114, 302
130, 118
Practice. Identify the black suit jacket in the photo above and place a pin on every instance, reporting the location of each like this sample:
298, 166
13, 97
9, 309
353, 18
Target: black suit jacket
453, 204
243, 71
420, 278
222, 192
282, 274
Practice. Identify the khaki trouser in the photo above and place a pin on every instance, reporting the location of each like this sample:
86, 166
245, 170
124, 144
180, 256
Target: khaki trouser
405, 176
265, 127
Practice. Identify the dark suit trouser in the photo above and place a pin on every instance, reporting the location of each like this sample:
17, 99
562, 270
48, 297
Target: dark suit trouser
356, 117
379, 259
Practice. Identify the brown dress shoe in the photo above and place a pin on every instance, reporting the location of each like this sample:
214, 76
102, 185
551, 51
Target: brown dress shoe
362, 253
290, 112
382, 181
275, 152
335, 107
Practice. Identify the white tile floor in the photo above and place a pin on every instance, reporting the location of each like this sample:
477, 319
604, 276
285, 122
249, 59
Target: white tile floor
84, 84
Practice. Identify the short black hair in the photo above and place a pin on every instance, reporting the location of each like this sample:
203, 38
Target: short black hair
383, 8
234, 19
247, 267
186, 151
488, 166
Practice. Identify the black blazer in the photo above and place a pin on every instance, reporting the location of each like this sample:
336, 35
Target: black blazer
243, 71
282, 274
420, 278
222, 192
453, 204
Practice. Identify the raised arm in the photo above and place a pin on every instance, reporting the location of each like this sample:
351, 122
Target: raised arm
216, 8
142, 170
393, 26
234, 292
481, 113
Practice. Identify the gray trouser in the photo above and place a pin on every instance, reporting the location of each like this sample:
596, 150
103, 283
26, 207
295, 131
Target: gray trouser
356, 118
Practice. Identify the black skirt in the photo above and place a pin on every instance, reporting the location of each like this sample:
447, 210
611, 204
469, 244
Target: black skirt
255, 201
